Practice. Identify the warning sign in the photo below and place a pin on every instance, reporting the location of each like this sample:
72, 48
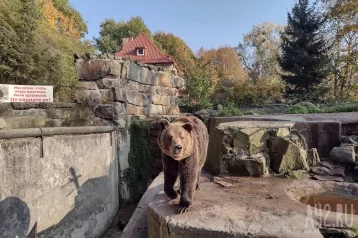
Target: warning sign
25, 93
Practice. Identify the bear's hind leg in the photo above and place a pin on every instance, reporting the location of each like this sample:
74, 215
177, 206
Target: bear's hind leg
170, 168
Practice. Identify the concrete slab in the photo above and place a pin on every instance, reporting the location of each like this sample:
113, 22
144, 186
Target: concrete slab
251, 207
343, 117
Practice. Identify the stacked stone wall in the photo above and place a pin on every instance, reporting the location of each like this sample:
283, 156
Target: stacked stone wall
117, 87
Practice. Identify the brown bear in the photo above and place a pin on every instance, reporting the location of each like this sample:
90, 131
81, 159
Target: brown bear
184, 145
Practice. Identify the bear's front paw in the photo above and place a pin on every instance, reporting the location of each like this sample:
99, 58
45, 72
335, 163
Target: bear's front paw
171, 193
184, 206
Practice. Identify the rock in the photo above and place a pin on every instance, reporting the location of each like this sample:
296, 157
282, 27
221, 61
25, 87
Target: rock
106, 96
178, 82
144, 75
134, 97
326, 164
164, 100
108, 83
91, 70
320, 170
58, 105
147, 88
279, 132
327, 178
88, 97
119, 95
312, 157
154, 110
237, 166
221, 182
104, 111
18, 122
296, 174
25, 105
338, 171
134, 110
171, 110
256, 166
286, 155
343, 154
83, 85
151, 98
164, 79
2, 123
119, 109
252, 140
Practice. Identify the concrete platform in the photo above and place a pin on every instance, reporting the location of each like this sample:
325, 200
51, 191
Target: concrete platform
241, 207
343, 117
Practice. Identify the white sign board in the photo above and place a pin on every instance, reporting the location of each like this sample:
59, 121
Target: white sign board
25, 93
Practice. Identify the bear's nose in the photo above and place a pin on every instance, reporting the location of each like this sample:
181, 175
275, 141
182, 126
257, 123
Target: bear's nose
178, 147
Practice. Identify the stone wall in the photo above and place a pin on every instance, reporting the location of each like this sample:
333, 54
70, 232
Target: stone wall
31, 115
65, 179
117, 87
258, 146
109, 90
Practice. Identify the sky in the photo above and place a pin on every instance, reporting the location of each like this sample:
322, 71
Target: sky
207, 23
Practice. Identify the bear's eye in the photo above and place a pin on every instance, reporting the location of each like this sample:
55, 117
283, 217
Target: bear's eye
170, 137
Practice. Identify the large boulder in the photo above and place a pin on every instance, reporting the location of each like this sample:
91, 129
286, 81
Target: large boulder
252, 140
243, 165
286, 156
343, 154
312, 157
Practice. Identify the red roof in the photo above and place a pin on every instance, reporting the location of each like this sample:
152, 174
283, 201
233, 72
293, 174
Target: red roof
152, 54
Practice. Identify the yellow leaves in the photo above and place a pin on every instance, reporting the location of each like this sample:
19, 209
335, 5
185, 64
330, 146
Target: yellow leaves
223, 63
56, 19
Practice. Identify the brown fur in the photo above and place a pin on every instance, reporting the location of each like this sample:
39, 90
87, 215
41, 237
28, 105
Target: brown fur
191, 134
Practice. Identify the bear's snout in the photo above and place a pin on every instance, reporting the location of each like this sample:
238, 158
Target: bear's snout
178, 148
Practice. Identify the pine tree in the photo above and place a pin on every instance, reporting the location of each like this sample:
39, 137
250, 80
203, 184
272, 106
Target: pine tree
304, 57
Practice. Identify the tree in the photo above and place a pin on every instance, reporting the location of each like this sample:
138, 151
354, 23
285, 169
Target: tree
223, 63
259, 51
199, 88
18, 23
33, 51
59, 14
304, 52
112, 33
224, 67
346, 9
198, 84
179, 50
343, 80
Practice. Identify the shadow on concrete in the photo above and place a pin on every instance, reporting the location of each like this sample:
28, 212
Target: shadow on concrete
93, 199
14, 218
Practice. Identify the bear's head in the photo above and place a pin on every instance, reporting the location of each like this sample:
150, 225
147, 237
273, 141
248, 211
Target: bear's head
175, 139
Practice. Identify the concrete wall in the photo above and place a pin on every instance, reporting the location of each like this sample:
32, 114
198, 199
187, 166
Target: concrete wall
67, 183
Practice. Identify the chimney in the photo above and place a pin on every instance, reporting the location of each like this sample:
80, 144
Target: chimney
126, 40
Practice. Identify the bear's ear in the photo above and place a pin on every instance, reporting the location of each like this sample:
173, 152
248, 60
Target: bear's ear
188, 126
164, 123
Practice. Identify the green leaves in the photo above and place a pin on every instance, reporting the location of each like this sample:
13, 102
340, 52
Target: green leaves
33, 52
112, 33
304, 51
